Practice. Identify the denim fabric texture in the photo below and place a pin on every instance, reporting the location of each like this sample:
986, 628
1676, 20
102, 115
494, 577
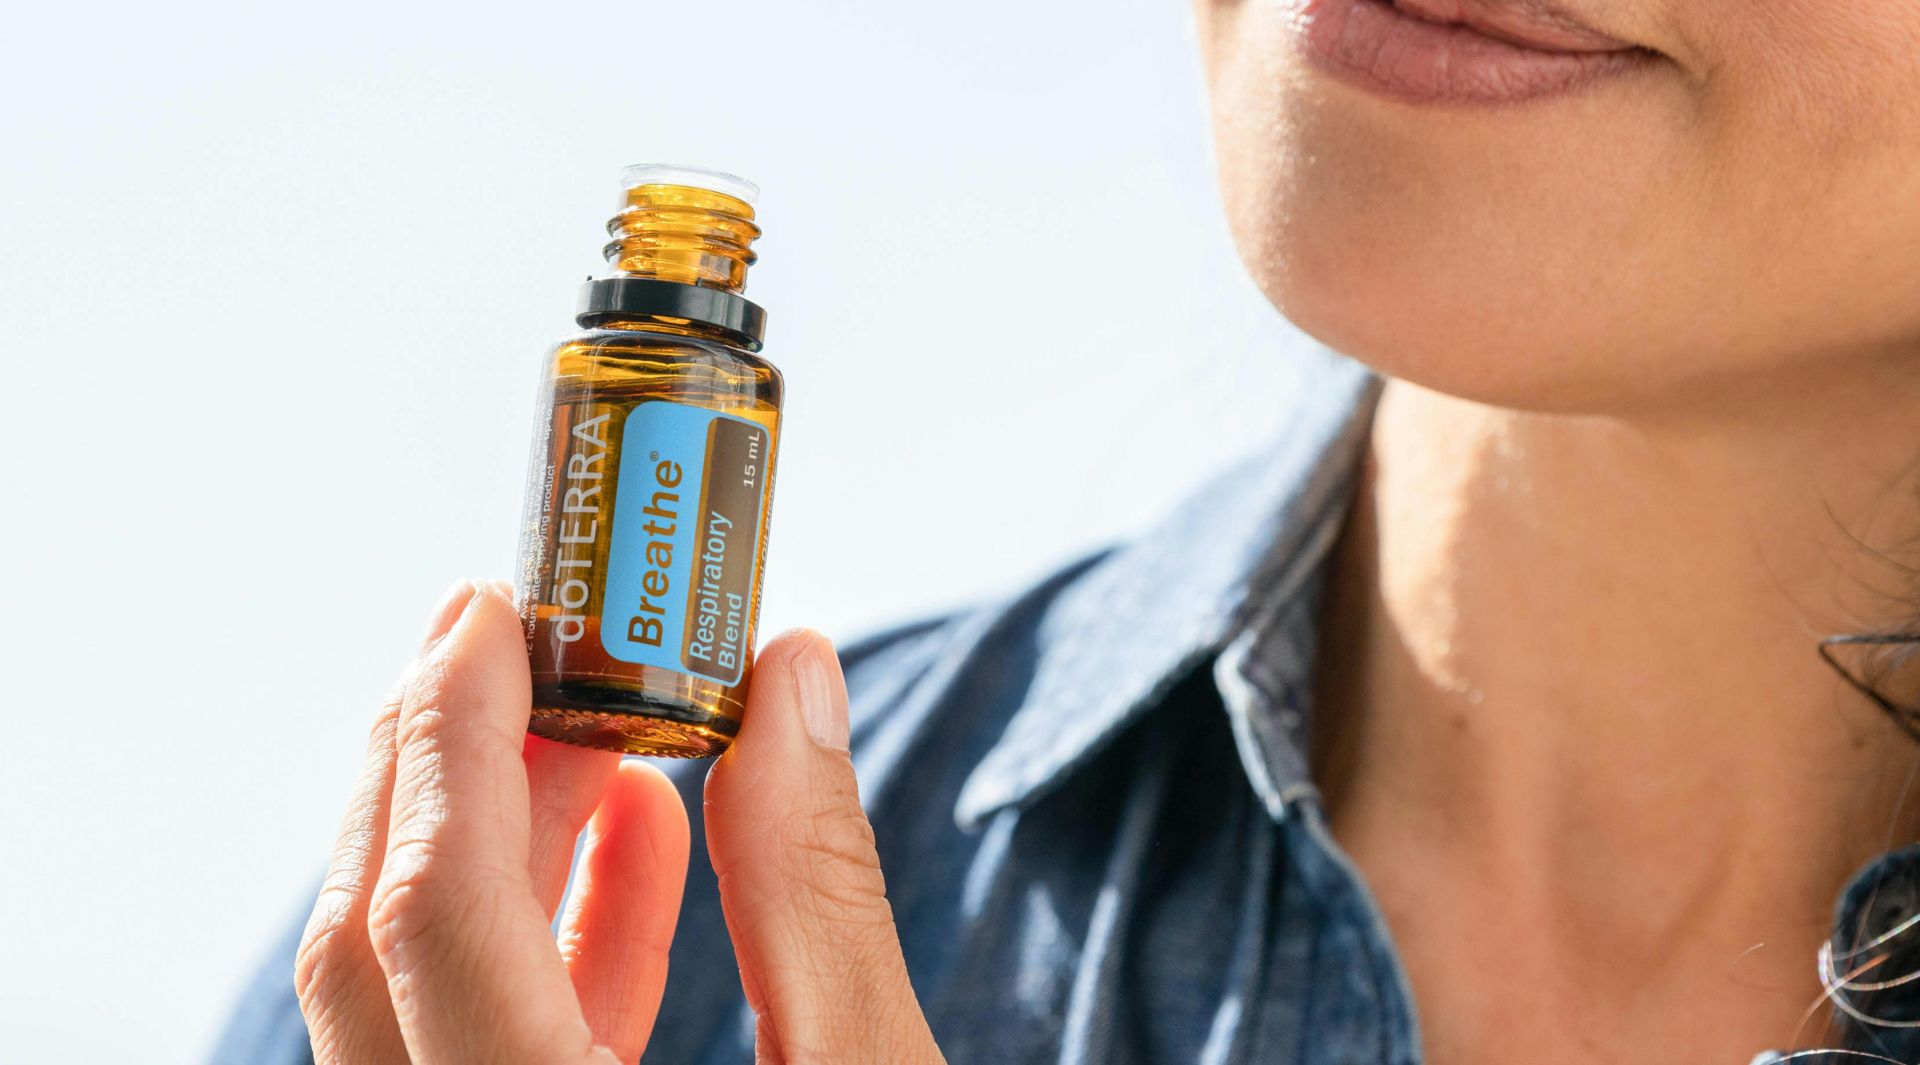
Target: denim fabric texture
1093, 808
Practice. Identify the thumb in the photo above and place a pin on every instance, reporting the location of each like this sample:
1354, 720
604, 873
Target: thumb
799, 878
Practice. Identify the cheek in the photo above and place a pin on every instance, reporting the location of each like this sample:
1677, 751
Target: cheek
1624, 245
1811, 136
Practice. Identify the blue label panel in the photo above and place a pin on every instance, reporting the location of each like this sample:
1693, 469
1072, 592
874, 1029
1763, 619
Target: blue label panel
654, 560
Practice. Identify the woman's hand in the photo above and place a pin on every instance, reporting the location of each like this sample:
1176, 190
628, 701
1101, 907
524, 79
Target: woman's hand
431, 940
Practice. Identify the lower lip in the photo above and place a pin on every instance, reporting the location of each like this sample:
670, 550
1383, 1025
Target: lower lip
1372, 44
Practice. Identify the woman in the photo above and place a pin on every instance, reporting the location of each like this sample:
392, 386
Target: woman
1490, 696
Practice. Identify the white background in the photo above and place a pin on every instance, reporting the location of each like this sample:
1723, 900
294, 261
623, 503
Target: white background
274, 283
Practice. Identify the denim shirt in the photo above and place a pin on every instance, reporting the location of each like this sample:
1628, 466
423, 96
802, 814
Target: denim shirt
1093, 808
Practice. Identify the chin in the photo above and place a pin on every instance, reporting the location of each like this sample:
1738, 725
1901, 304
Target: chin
1526, 257
1445, 326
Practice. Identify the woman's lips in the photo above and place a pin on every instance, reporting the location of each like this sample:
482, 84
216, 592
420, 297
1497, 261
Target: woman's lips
1464, 51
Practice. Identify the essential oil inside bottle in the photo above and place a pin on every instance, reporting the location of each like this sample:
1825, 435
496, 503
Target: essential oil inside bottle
651, 481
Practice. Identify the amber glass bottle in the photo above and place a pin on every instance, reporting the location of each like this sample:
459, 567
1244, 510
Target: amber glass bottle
651, 481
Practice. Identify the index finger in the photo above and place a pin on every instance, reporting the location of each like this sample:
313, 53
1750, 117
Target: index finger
464, 941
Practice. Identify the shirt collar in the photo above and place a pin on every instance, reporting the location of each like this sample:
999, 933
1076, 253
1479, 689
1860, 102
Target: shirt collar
1144, 616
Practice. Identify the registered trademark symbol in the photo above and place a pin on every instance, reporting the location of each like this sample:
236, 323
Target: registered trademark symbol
653, 456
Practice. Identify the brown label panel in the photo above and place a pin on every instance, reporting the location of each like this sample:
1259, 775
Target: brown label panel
726, 551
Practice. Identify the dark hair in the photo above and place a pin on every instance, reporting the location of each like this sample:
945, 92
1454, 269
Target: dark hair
1886, 653
1870, 964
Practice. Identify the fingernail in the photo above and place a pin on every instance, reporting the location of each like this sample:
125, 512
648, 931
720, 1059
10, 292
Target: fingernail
452, 605
816, 681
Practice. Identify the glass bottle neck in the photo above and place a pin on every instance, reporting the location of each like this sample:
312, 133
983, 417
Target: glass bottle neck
680, 233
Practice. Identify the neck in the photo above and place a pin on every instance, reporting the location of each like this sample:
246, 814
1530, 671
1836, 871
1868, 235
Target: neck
1571, 670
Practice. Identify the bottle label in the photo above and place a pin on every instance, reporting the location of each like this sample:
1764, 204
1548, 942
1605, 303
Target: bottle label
682, 563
